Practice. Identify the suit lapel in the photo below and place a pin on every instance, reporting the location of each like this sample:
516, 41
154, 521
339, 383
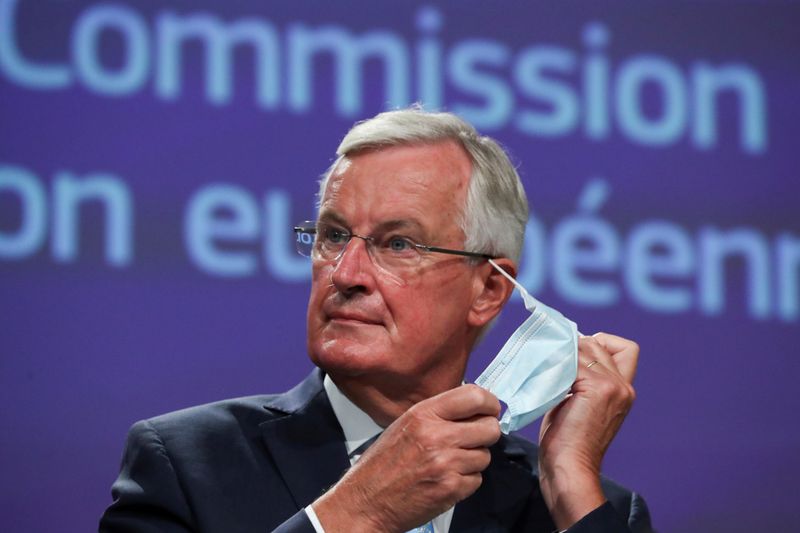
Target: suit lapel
306, 443
507, 493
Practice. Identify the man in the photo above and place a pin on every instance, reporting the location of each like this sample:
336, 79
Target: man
401, 291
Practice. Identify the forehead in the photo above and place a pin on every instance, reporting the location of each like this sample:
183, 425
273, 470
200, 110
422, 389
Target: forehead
423, 183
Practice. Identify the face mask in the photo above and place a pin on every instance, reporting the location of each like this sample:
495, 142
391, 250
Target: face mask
536, 367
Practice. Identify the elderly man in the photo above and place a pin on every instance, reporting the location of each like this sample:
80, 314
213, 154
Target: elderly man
401, 290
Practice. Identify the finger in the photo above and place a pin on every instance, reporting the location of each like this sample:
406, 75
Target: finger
469, 483
625, 353
477, 432
472, 461
464, 402
590, 366
591, 376
591, 350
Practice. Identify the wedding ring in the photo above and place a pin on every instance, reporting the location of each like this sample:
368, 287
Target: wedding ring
592, 363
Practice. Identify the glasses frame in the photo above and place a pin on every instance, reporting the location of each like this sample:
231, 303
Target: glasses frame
309, 227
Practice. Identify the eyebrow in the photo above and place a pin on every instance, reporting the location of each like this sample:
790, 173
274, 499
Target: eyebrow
401, 223
332, 216
387, 225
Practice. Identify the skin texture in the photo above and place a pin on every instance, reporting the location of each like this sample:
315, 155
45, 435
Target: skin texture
575, 435
390, 342
396, 344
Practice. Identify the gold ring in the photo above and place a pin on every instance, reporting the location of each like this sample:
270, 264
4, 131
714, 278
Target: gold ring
592, 363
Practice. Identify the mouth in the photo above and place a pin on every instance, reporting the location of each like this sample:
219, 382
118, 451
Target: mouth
354, 319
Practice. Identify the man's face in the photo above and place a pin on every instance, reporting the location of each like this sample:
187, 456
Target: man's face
411, 329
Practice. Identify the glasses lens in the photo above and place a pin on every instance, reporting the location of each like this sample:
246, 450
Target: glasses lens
330, 241
395, 253
304, 238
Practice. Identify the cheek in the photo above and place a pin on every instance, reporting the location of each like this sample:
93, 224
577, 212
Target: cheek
320, 271
428, 311
320, 281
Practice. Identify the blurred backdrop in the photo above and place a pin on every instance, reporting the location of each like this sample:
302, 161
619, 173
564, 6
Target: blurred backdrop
154, 155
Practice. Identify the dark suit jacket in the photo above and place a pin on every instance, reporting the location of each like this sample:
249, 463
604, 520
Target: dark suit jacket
253, 464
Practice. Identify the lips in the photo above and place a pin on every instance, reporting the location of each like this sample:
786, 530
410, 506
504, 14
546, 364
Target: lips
350, 317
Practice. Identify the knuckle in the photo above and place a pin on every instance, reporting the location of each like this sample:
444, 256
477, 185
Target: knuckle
439, 463
607, 388
623, 393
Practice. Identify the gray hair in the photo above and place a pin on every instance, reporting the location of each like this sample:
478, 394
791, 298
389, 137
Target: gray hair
496, 210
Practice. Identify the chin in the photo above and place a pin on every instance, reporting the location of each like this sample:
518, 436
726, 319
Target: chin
345, 356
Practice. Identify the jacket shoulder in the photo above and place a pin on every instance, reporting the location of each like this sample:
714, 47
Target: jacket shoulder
232, 417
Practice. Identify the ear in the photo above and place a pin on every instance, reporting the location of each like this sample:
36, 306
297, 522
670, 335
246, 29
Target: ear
492, 290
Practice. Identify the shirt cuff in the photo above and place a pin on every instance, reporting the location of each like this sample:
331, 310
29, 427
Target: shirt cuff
312, 517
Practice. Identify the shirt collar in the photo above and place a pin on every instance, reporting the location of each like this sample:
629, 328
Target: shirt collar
357, 426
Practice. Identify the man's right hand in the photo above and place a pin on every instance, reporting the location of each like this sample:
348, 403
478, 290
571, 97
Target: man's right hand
425, 462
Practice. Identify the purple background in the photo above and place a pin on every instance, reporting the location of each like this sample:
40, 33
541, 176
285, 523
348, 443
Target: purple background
87, 348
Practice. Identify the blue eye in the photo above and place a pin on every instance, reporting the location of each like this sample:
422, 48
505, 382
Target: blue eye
399, 244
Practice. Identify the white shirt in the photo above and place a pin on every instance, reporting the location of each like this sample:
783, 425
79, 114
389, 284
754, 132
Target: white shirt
358, 428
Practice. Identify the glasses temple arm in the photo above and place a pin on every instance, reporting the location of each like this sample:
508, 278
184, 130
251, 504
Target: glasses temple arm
455, 252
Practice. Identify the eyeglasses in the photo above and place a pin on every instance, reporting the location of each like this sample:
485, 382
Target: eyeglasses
391, 251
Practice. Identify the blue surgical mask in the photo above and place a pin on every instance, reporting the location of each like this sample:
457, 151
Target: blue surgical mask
536, 367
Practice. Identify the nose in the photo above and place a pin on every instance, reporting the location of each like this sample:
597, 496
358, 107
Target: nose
353, 272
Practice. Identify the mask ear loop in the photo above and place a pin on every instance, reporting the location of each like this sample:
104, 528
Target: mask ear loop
530, 301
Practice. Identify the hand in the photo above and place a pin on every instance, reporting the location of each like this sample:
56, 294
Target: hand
575, 435
425, 462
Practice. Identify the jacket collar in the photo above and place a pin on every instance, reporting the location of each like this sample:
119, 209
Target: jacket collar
305, 440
